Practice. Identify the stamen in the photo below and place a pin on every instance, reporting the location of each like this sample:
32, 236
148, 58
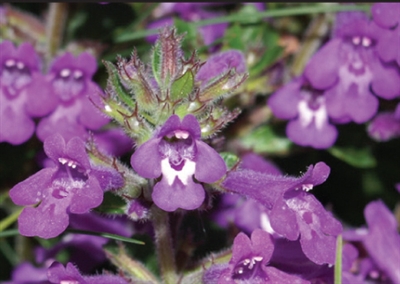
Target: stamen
10, 63
78, 74
366, 41
356, 40
20, 65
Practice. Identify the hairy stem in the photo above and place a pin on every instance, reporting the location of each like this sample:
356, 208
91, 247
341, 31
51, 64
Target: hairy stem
163, 241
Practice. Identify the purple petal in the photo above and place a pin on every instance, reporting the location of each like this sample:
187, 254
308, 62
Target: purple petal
283, 220
322, 78
386, 80
16, 126
146, 160
319, 248
190, 124
257, 163
320, 173
262, 244
383, 239
173, 123
41, 100
48, 220
242, 247
386, 14
277, 276
57, 273
86, 63
54, 147
384, 127
171, 197
284, 102
90, 116
76, 151
31, 190
86, 198
27, 54
318, 138
210, 166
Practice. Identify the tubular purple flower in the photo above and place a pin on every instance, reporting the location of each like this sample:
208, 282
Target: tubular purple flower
177, 154
68, 187
19, 96
306, 108
70, 82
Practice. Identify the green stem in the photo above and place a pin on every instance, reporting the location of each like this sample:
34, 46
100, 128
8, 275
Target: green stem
163, 241
240, 18
338, 262
55, 25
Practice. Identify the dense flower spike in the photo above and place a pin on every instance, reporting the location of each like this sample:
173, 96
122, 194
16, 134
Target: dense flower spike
70, 82
177, 154
68, 187
21, 97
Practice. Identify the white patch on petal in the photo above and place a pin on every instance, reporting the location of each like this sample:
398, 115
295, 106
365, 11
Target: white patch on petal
307, 114
183, 175
266, 223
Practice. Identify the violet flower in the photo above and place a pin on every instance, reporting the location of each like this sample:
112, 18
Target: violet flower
292, 211
348, 66
57, 273
21, 98
70, 80
306, 108
68, 187
387, 16
249, 261
188, 12
385, 126
177, 154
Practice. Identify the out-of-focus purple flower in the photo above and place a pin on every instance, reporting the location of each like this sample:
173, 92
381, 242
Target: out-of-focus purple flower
348, 66
177, 154
306, 108
387, 15
385, 125
190, 12
292, 211
26, 273
68, 187
381, 241
19, 70
220, 63
113, 142
70, 81
57, 273
249, 262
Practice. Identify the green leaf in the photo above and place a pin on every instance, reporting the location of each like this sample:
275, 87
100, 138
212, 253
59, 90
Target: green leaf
338, 262
183, 86
106, 235
112, 204
359, 158
264, 140
229, 158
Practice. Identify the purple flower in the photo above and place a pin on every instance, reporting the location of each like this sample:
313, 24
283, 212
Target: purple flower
387, 16
177, 154
26, 273
385, 126
249, 262
351, 67
190, 12
291, 210
220, 63
57, 273
68, 187
70, 81
306, 108
380, 240
20, 98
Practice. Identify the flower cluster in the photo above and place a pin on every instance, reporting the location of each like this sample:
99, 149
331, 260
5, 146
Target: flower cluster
342, 82
169, 175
